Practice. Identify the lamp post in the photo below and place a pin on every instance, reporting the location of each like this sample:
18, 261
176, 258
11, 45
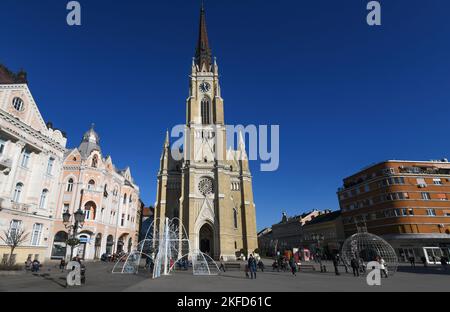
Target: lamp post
79, 218
319, 238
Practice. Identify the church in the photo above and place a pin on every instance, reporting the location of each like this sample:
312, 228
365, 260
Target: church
208, 189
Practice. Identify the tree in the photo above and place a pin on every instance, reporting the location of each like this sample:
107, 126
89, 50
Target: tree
13, 238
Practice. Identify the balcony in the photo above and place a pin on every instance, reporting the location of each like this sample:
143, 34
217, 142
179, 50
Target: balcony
21, 207
5, 165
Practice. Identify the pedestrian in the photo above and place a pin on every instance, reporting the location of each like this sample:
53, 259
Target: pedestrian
293, 266
424, 261
444, 262
222, 265
62, 265
383, 267
246, 271
261, 265
355, 266
336, 265
252, 266
412, 260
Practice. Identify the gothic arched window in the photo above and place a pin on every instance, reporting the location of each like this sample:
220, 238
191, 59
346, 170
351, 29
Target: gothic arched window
206, 112
235, 218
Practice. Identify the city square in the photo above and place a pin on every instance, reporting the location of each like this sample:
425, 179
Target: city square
175, 152
100, 279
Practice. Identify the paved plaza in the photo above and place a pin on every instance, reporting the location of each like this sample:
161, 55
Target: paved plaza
100, 279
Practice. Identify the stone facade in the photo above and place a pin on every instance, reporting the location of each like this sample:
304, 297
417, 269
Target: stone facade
108, 196
31, 156
209, 188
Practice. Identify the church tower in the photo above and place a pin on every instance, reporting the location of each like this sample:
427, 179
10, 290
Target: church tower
210, 188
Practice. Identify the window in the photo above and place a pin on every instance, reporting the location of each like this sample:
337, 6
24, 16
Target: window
235, 218
437, 182
70, 186
66, 208
50, 164
442, 196
36, 234
25, 158
17, 192
18, 104
125, 199
91, 185
14, 228
95, 161
87, 214
122, 221
43, 201
426, 196
2, 146
206, 119
431, 212
411, 211
366, 188
404, 212
421, 182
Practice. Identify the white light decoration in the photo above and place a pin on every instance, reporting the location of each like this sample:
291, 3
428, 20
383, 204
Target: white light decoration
166, 249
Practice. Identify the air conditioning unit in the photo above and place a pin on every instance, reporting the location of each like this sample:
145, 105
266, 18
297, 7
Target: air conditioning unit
442, 226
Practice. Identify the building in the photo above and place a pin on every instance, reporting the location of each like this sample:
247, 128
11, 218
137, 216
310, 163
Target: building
324, 233
31, 156
405, 202
147, 218
108, 196
286, 235
209, 188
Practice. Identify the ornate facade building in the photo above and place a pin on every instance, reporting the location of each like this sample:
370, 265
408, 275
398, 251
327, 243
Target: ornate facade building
31, 155
109, 198
209, 188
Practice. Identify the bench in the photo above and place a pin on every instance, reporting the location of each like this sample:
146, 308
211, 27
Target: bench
232, 266
306, 267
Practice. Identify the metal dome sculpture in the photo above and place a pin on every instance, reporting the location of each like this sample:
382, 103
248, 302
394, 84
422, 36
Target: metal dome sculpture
366, 247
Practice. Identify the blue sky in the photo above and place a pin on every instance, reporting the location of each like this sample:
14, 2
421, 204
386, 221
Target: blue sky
344, 94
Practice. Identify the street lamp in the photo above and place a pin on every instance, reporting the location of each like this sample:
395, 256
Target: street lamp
79, 218
319, 238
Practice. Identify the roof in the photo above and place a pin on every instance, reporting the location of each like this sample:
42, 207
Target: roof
89, 143
9, 77
324, 218
148, 212
203, 53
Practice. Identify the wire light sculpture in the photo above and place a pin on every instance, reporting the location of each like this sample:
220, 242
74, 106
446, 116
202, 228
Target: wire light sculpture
166, 249
365, 247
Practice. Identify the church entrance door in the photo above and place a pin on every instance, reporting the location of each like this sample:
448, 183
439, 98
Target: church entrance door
207, 240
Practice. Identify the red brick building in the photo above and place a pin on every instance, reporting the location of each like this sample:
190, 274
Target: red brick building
405, 202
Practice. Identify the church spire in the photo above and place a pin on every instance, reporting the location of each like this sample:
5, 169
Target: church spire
203, 55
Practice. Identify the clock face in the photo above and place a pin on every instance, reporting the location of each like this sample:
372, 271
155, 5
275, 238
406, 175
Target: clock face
205, 87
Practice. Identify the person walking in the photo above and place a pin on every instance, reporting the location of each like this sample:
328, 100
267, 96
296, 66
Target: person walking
222, 265
383, 267
355, 266
293, 266
252, 266
412, 260
336, 265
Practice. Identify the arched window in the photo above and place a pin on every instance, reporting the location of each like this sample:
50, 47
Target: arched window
90, 210
95, 161
43, 201
17, 192
235, 218
131, 199
70, 185
91, 185
125, 198
206, 112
